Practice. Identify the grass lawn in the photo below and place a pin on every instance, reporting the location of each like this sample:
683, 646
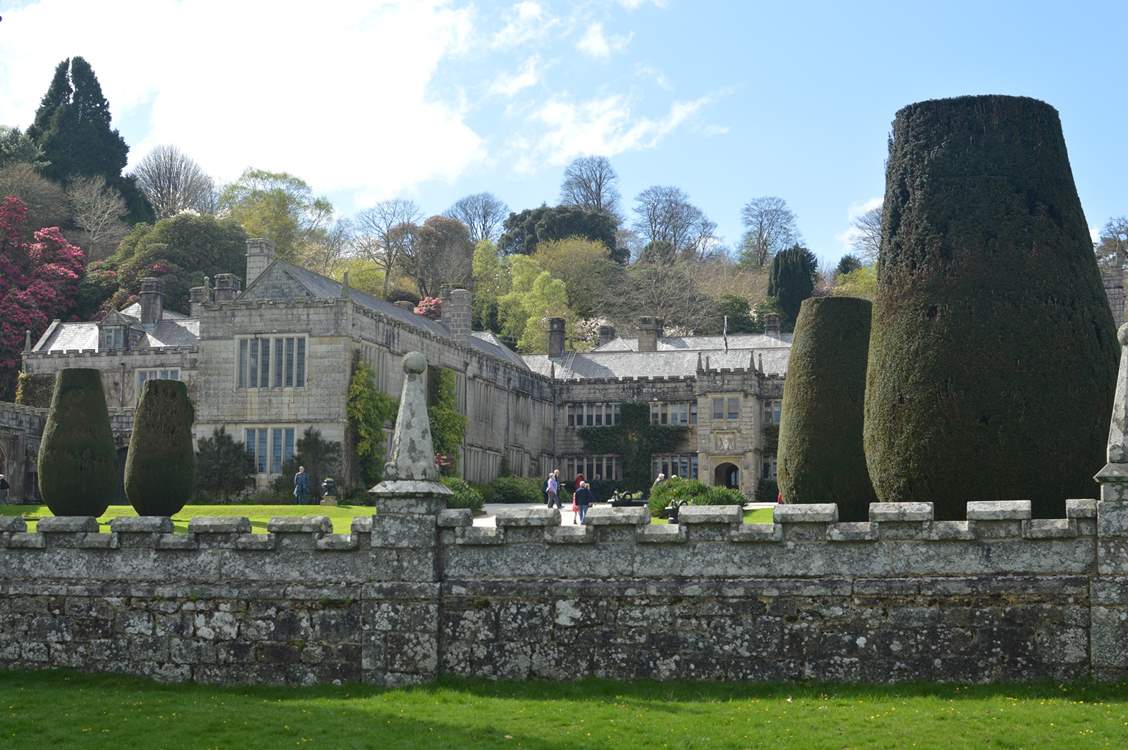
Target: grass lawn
64, 709
756, 515
260, 515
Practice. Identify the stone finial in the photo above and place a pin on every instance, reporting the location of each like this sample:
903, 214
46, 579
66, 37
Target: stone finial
1113, 478
27, 340
345, 285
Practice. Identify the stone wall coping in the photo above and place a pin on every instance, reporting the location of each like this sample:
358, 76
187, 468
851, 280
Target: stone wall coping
900, 512
67, 525
998, 510
362, 525
300, 525
605, 515
852, 531
806, 513
693, 514
220, 525
456, 517
12, 523
141, 525
1081, 508
663, 534
527, 517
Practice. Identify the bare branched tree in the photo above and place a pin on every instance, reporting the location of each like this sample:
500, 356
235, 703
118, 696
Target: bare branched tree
769, 226
672, 226
482, 214
99, 211
47, 204
666, 291
1113, 242
375, 238
173, 182
590, 182
328, 246
435, 254
866, 241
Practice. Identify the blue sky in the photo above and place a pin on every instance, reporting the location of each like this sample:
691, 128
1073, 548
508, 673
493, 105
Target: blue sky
726, 100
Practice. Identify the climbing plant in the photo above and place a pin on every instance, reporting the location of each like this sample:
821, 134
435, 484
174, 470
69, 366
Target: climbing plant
369, 409
635, 441
448, 426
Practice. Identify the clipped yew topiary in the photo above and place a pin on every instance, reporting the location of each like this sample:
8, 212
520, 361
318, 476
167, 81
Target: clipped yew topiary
78, 469
993, 356
161, 468
820, 457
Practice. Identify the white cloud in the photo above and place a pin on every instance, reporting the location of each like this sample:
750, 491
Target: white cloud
647, 71
636, 4
604, 126
846, 237
597, 44
528, 22
715, 130
339, 96
507, 84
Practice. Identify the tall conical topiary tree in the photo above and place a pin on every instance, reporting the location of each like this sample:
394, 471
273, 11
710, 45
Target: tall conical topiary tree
78, 469
993, 355
791, 279
820, 457
161, 468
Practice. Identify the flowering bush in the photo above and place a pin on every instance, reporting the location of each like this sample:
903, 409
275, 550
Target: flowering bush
430, 307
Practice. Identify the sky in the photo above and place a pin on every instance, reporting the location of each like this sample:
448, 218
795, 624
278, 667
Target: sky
729, 101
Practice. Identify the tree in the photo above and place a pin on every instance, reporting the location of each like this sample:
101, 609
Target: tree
320, 457
280, 207
861, 282
1113, 242
865, 235
738, 313
769, 227
99, 211
585, 267
38, 282
160, 468
671, 226
370, 411
482, 213
534, 297
46, 201
223, 466
438, 253
527, 229
669, 292
378, 235
820, 457
19, 148
78, 467
491, 281
792, 279
993, 356
172, 182
591, 183
846, 264
72, 128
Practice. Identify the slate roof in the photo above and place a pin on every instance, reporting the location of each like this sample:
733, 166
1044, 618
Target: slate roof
61, 337
134, 311
702, 343
664, 363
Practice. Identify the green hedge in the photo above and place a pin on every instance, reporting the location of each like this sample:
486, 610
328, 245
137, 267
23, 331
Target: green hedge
993, 356
161, 466
465, 495
513, 490
679, 491
78, 467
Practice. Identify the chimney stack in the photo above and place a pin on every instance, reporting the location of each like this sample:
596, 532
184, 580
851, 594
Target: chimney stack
152, 301
226, 287
606, 335
260, 254
556, 337
198, 296
771, 324
457, 313
649, 331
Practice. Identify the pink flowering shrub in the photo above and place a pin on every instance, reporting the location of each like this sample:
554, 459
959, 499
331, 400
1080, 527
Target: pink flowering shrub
430, 307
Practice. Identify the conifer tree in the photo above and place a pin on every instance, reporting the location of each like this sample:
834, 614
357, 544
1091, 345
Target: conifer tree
791, 279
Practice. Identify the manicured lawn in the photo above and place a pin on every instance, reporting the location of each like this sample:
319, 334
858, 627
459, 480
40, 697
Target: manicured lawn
64, 709
756, 515
260, 515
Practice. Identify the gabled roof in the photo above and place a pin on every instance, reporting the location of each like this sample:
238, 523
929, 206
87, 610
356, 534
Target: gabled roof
134, 311
702, 343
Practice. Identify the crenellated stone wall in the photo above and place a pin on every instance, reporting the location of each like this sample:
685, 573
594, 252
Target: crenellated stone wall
415, 592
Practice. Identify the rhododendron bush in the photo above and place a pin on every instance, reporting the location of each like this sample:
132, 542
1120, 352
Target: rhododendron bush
38, 282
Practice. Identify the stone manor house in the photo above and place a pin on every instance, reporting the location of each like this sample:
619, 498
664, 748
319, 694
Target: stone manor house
269, 359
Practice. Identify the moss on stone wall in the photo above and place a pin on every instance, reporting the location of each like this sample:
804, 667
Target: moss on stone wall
35, 390
161, 466
993, 355
820, 457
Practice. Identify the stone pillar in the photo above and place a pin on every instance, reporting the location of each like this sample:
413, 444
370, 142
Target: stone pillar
556, 337
1109, 587
198, 296
771, 324
260, 254
226, 287
457, 313
649, 331
606, 335
152, 301
401, 644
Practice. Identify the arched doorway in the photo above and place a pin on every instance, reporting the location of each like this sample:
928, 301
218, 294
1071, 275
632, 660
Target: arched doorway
727, 475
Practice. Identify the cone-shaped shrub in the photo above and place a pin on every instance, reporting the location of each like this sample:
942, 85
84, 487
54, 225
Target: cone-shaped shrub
161, 467
78, 468
820, 458
992, 355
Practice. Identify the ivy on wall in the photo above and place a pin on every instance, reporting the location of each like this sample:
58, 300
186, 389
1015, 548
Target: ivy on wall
635, 441
34, 390
448, 426
369, 410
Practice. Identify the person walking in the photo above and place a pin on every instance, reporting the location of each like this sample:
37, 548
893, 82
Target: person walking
4, 487
553, 489
301, 486
584, 498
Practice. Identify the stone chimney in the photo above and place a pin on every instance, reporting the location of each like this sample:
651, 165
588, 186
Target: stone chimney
649, 331
456, 312
260, 254
226, 287
152, 301
771, 324
556, 337
198, 296
606, 335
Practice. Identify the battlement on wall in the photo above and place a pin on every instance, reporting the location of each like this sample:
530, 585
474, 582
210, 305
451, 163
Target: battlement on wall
116, 355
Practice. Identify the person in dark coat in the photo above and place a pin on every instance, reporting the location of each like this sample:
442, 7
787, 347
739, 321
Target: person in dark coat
584, 498
301, 486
